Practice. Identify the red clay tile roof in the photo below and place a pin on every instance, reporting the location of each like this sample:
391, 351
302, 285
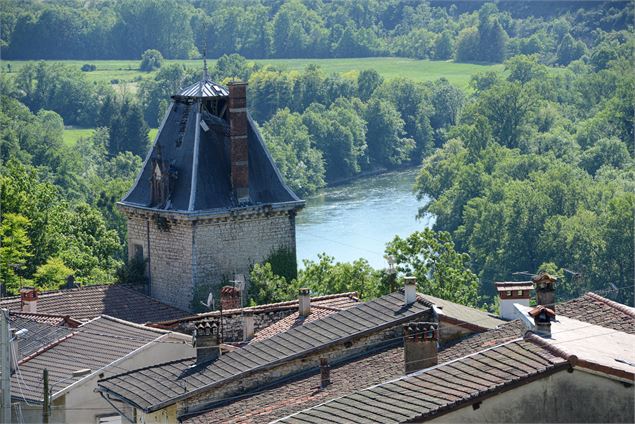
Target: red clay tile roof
339, 301
92, 301
49, 319
597, 310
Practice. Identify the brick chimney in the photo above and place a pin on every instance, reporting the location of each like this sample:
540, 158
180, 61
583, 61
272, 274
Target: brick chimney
325, 373
304, 302
28, 300
510, 293
420, 345
248, 325
229, 298
542, 319
239, 152
206, 342
545, 286
410, 290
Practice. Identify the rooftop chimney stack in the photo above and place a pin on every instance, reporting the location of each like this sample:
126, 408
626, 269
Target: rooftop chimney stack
206, 342
248, 325
325, 373
510, 293
28, 300
542, 319
410, 290
229, 298
239, 152
545, 286
304, 302
420, 345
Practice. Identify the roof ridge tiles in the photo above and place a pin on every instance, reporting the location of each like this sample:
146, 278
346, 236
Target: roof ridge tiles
622, 308
45, 348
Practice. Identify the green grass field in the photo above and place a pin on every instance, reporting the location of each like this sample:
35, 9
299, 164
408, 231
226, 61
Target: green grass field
72, 134
126, 71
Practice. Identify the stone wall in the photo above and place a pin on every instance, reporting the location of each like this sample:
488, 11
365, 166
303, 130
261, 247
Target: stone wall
228, 246
188, 258
168, 257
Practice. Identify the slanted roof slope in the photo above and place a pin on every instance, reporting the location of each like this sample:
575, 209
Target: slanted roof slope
91, 301
438, 389
153, 388
93, 345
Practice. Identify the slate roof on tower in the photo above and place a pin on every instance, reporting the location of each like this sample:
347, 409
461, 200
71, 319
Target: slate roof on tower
173, 153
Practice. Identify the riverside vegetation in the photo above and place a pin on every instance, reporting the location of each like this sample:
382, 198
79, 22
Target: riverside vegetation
530, 167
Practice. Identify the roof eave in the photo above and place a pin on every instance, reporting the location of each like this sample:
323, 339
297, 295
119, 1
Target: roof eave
215, 213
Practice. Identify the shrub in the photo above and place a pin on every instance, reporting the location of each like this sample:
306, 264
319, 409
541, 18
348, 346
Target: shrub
150, 60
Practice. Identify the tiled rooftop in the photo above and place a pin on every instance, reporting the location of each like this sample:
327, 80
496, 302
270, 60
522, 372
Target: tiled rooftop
461, 313
598, 310
92, 301
376, 367
373, 368
155, 387
93, 345
292, 321
438, 389
337, 301
601, 349
38, 334
303, 391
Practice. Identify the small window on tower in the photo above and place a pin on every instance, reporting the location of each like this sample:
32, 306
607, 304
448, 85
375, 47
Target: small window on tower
138, 252
519, 292
509, 293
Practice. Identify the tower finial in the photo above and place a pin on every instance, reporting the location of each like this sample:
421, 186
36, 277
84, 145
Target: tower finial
205, 74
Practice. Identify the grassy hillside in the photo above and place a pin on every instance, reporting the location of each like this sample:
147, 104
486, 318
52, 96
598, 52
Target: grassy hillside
72, 134
126, 71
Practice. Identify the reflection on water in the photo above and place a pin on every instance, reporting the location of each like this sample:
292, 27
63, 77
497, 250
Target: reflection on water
358, 219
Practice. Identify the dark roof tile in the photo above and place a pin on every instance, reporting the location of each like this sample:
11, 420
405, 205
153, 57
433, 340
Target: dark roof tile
296, 342
92, 301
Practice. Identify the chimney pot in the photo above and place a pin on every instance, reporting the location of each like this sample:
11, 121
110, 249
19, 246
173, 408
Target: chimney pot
304, 302
325, 373
28, 300
542, 319
206, 342
229, 298
410, 290
545, 286
420, 345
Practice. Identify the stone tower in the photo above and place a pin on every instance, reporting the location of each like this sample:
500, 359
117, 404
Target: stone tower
209, 201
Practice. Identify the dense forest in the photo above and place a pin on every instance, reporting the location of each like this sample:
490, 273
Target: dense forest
470, 31
529, 168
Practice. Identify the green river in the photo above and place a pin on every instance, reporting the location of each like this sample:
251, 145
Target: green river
357, 219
